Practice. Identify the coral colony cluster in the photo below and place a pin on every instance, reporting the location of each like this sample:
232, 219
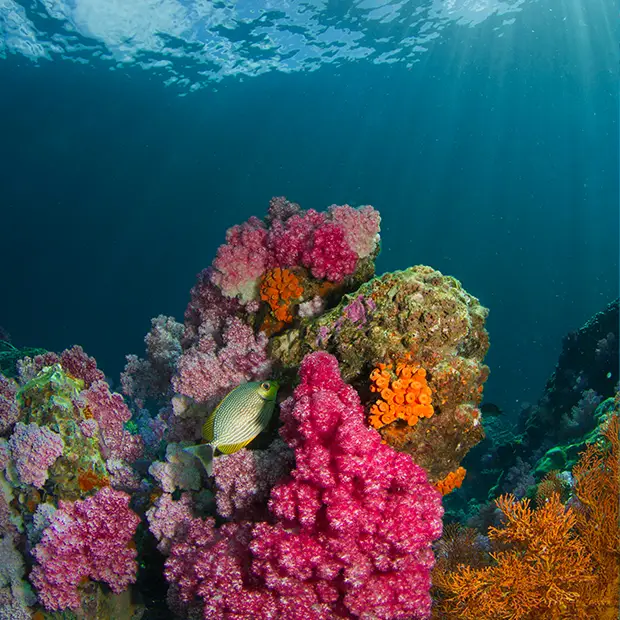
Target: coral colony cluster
336, 510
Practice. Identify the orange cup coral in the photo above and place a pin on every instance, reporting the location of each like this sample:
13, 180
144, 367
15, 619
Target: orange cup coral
279, 288
452, 481
404, 394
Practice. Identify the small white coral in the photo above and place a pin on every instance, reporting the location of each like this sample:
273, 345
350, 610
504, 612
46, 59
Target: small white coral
180, 470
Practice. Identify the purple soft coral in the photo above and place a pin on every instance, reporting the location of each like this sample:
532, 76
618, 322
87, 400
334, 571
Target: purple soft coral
111, 412
9, 411
34, 450
167, 517
215, 366
244, 479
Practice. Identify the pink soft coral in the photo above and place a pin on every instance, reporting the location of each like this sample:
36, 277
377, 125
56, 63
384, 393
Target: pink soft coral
242, 260
349, 535
361, 227
86, 539
212, 564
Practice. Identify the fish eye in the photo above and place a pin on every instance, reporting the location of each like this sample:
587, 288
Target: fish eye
265, 385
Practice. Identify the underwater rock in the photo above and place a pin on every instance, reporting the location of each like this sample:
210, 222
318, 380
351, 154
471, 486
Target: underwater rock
589, 360
416, 314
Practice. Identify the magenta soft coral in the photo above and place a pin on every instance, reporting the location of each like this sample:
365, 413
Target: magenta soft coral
350, 532
86, 539
370, 509
328, 255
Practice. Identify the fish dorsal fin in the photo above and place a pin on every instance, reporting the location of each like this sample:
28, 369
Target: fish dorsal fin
234, 447
208, 428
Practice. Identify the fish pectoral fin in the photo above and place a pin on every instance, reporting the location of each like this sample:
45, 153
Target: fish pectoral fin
204, 453
234, 447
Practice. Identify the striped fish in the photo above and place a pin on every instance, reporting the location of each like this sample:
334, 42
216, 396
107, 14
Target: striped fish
243, 413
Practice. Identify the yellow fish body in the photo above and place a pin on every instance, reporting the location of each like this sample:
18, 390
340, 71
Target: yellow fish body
241, 415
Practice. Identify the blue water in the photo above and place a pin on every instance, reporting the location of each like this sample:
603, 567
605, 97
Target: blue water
134, 134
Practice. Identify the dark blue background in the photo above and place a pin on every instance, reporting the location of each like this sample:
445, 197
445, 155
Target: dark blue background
494, 159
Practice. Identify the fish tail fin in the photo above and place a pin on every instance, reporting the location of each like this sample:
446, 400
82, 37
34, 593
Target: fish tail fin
204, 453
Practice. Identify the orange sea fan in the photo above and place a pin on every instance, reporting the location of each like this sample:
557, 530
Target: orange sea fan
597, 482
543, 573
550, 484
404, 394
553, 562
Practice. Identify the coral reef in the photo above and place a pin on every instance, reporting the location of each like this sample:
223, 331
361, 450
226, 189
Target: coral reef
336, 510
65, 448
329, 513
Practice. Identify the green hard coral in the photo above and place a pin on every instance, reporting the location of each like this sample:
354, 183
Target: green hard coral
52, 399
417, 309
